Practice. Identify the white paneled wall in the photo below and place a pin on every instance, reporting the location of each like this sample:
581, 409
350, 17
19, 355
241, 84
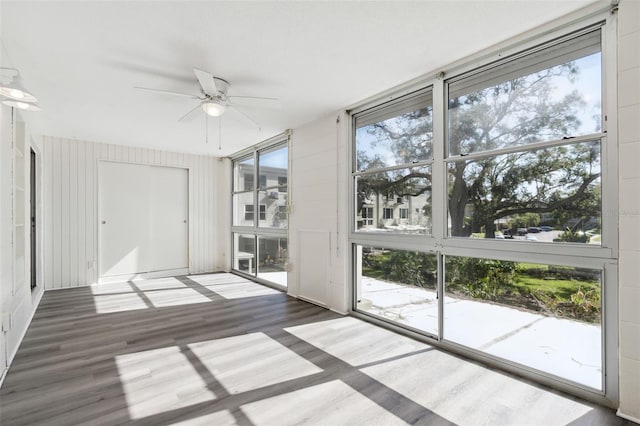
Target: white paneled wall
70, 191
629, 174
318, 191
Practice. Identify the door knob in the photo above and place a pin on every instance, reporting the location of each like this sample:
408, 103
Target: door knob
104, 221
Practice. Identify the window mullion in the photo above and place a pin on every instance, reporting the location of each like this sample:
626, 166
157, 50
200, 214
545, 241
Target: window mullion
438, 175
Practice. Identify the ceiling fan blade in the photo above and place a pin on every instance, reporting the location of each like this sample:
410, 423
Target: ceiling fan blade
168, 92
245, 116
255, 101
207, 82
191, 114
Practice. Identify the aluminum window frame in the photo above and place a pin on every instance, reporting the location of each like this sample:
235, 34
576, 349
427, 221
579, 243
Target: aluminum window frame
255, 230
603, 257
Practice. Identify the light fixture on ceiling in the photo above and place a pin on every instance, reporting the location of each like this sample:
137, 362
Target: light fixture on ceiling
213, 108
21, 105
19, 97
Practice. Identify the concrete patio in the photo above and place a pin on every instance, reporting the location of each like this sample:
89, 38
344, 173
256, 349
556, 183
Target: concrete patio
566, 348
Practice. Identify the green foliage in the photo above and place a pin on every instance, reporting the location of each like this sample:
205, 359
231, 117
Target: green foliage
563, 180
570, 236
405, 267
525, 220
480, 278
560, 291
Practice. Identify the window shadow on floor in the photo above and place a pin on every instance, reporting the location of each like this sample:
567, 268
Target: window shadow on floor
146, 365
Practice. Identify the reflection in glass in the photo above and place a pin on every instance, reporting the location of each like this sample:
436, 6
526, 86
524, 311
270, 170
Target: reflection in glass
399, 286
244, 253
548, 195
394, 201
403, 139
561, 101
243, 209
273, 256
543, 316
243, 175
273, 167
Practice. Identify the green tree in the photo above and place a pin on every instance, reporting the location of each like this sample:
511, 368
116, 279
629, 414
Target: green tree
513, 113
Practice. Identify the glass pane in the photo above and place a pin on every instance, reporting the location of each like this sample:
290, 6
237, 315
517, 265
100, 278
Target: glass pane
273, 167
243, 209
273, 256
403, 139
244, 253
396, 201
543, 316
243, 175
273, 208
561, 101
547, 195
399, 286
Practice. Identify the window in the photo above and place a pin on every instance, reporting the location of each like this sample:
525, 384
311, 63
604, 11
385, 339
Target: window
516, 184
393, 157
260, 243
248, 212
550, 97
282, 183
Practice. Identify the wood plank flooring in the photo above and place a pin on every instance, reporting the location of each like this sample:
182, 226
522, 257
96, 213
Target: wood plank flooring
218, 349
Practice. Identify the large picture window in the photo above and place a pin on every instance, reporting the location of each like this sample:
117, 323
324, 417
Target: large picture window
260, 214
501, 212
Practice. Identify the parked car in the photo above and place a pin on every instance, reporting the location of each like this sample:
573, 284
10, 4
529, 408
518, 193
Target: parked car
534, 230
546, 228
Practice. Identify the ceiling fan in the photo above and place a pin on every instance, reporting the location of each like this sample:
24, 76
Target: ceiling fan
214, 98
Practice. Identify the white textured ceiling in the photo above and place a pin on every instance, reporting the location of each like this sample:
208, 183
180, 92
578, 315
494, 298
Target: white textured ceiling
82, 59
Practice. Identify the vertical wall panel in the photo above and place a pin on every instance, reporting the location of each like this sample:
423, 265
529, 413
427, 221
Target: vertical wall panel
57, 214
64, 215
73, 214
47, 207
70, 215
82, 212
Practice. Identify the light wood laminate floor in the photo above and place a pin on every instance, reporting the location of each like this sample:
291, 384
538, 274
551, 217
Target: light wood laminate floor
218, 349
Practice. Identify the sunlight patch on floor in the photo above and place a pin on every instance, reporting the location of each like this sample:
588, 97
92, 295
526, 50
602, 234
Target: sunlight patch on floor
461, 383
231, 286
331, 403
241, 370
144, 375
355, 342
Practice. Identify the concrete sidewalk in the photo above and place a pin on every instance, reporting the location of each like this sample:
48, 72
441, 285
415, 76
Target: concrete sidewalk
563, 347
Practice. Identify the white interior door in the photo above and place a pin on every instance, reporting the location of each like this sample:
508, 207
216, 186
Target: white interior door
169, 216
122, 222
143, 212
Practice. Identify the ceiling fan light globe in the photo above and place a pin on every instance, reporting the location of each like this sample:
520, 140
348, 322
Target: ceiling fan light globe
15, 90
21, 105
213, 109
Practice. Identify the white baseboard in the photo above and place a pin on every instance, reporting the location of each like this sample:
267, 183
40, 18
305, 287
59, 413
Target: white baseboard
12, 355
627, 417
